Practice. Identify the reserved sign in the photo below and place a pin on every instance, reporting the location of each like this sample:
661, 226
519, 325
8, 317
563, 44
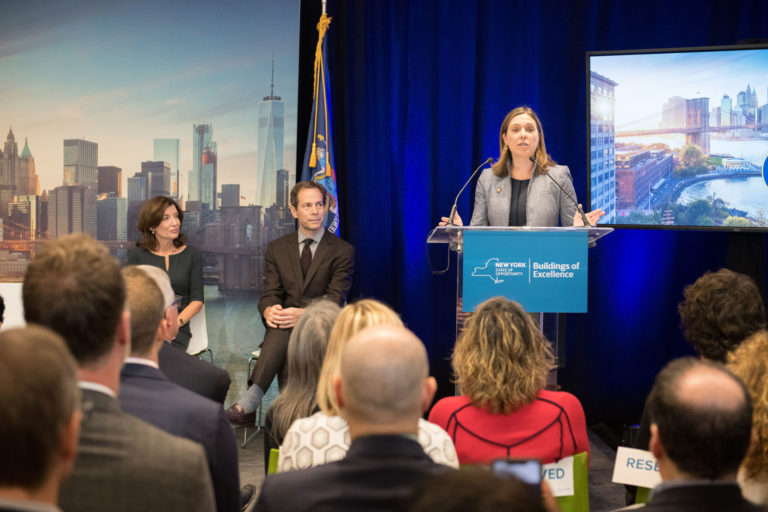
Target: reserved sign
559, 476
636, 467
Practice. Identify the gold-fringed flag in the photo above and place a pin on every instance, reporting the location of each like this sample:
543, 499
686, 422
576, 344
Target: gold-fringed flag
318, 158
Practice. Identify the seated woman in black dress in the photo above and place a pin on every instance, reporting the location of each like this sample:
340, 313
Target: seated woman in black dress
164, 246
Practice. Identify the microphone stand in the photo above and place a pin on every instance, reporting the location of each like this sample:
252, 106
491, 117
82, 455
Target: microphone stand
450, 220
455, 203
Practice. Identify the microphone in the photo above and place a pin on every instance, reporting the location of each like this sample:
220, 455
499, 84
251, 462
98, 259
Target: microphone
578, 208
455, 203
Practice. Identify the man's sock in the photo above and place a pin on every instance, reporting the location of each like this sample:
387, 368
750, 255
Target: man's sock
250, 400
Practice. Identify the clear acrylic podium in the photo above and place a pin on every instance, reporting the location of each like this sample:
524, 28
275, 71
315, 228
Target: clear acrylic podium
454, 236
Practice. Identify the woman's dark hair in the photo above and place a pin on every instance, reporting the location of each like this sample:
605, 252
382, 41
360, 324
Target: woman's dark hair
151, 215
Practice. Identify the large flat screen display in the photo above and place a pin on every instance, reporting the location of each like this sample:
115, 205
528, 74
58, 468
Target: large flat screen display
678, 138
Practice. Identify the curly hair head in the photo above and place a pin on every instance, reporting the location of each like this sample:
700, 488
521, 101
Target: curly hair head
501, 359
719, 311
749, 363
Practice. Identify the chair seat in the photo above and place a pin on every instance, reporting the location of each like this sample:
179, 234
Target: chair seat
198, 343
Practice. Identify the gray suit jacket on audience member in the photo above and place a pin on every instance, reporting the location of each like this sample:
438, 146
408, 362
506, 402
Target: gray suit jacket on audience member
546, 205
126, 465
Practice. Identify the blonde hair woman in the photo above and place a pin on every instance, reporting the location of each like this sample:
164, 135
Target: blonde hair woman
501, 361
748, 361
301, 448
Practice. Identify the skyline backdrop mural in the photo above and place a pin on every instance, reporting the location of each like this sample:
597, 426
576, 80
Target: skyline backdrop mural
104, 105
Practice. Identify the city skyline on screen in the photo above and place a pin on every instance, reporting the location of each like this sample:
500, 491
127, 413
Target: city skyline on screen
646, 81
680, 137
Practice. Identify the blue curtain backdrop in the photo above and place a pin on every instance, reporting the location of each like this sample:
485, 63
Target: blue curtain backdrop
419, 90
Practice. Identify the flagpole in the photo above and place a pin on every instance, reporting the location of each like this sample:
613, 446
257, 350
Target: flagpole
324, 2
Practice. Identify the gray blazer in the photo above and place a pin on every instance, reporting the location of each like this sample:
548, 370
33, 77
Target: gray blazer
126, 465
546, 204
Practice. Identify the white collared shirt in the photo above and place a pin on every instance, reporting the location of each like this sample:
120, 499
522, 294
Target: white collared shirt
142, 360
95, 386
312, 247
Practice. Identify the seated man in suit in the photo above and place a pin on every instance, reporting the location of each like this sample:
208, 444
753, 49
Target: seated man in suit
701, 423
299, 267
74, 287
147, 393
383, 390
39, 418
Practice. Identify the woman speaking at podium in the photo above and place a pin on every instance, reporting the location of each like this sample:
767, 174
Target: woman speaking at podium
525, 187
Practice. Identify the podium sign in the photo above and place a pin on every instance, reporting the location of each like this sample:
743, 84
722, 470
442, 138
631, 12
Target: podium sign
545, 271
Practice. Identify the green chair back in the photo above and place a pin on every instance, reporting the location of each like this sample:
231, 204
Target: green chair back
642, 494
274, 453
579, 502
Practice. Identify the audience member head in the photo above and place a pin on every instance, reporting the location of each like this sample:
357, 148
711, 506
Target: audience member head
39, 413
152, 214
74, 287
2, 310
384, 385
147, 305
701, 421
306, 351
170, 298
473, 489
353, 318
749, 361
719, 311
501, 358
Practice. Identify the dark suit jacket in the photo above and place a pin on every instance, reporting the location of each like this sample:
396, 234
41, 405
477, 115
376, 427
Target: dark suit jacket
377, 473
148, 394
124, 464
329, 275
194, 374
700, 498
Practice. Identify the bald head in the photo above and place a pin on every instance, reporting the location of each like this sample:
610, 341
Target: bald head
383, 374
704, 387
703, 416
